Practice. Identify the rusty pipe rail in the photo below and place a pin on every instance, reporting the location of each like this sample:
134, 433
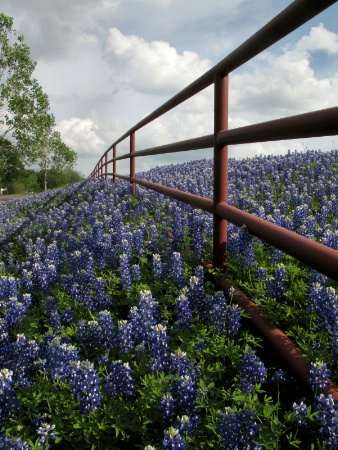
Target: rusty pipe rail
296, 14
318, 256
313, 124
283, 345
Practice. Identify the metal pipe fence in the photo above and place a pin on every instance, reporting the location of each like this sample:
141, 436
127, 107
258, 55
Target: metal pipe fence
313, 124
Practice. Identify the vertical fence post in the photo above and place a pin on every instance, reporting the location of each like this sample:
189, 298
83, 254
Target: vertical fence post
114, 164
106, 165
221, 93
132, 161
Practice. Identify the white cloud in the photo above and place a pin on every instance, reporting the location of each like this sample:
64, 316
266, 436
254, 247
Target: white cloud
152, 67
318, 39
287, 83
81, 135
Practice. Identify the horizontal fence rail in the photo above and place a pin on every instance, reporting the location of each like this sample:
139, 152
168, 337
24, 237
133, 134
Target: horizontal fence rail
312, 124
318, 256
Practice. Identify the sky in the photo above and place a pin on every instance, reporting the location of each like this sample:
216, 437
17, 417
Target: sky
106, 64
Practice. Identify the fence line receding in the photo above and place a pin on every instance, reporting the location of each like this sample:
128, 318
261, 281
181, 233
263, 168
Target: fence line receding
313, 124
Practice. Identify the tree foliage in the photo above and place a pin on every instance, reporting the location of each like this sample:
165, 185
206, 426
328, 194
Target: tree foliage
26, 122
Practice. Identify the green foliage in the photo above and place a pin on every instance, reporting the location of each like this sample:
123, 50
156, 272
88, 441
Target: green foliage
26, 124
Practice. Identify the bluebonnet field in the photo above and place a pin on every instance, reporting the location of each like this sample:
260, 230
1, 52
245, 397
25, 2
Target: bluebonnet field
114, 337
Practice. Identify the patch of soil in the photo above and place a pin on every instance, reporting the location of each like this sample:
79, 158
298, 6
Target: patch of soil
11, 196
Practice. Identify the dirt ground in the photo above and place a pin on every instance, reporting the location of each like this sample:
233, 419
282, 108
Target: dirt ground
10, 197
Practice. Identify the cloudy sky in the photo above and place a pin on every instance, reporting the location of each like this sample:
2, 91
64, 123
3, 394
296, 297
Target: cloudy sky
106, 64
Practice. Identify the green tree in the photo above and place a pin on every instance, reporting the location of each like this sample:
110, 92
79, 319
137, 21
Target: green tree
61, 178
10, 162
52, 153
25, 118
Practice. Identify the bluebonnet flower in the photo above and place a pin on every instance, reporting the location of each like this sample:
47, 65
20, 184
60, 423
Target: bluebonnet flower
252, 371
135, 272
277, 285
119, 380
246, 246
21, 357
90, 333
173, 440
324, 302
168, 409
100, 298
232, 320
46, 433
56, 355
158, 342
138, 239
13, 443
143, 316
124, 336
44, 274
8, 400
26, 299
8, 287
53, 254
188, 425
328, 420
153, 238
196, 228
279, 376
300, 214
15, 314
261, 273
79, 260
196, 294
183, 314
27, 280
106, 324
216, 311
238, 430
276, 254
318, 376
179, 364
157, 266
185, 394
53, 316
177, 222
176, 267
300, 413
85, 385
125, 272
200, 345
234, 245
68, 315
125, 244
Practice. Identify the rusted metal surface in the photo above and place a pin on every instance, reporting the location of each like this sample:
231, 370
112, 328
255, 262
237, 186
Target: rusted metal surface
106, 165
114, 162
221, 101
320, 257
132, 162
182, 146
285, 348
191, 199
314, 124
291, 18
